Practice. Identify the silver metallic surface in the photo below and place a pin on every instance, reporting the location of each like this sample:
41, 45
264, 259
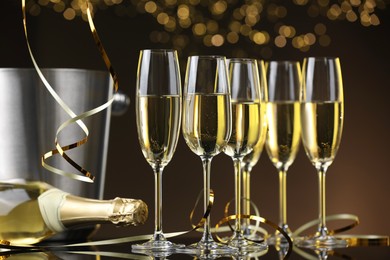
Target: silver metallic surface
29, 118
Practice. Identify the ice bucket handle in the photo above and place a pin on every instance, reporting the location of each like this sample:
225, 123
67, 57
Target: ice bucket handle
121, 103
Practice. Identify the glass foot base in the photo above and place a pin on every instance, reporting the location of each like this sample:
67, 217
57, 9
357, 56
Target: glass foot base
244, 245
321, 242
156, 245
209, 250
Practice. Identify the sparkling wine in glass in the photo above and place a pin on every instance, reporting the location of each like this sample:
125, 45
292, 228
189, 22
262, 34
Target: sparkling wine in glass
251, 159
206, 127
284, 129
158, 114
247, 121
322, 117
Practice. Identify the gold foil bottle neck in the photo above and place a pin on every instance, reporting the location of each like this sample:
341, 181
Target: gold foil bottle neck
129, 212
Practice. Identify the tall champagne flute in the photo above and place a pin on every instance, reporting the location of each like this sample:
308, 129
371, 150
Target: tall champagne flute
283, 136
247, 119
158, 113
322, 117
251, 159
206, 126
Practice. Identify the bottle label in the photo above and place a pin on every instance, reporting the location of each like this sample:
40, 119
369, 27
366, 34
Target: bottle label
50, 203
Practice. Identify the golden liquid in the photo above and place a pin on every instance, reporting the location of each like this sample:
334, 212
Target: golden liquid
158, 124
247, 118
21, 221
206, 123
251, 159
284, 132
322, 125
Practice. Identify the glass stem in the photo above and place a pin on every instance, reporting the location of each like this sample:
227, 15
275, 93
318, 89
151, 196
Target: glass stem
322, 229
206, 161
158, 234
246, 193
237, 179
283, 199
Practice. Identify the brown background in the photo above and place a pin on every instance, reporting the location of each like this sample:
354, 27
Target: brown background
357, 183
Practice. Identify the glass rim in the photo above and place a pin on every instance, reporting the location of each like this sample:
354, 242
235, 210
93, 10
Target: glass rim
158, 50
248, 60
208, 56
282, 61
322, 57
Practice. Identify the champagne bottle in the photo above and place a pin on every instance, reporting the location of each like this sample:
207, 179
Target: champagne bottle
31, 211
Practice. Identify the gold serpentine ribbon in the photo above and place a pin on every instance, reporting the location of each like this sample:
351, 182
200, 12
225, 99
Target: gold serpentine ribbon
259, 219
101, 49
352, 240
254, 229
227, 218
86, 175
351, 217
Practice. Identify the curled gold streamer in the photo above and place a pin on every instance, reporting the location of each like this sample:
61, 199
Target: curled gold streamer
353, 218
255, 228
205, 215
101, 49
366, 240
352, 240
260, 219
86, 175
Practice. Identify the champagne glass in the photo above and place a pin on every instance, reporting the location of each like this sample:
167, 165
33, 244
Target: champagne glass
206, 127
158, 113
247, 120
251, 159
283, 136
322, 117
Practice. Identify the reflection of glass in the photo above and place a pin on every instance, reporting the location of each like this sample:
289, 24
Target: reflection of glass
320, 253
283, 136
206, 125
247, 119
251, 159
158, 111
322, 117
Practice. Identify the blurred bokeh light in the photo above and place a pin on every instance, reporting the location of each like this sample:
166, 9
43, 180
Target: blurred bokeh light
218, 23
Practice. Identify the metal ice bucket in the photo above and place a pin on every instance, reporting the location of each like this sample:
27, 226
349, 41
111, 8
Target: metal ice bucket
81, 90
29, 118
19, 145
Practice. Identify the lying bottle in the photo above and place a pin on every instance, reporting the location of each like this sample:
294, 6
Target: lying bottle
31, 211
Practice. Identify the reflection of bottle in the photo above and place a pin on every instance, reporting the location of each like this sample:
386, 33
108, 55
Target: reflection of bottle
33, 211
30, 256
